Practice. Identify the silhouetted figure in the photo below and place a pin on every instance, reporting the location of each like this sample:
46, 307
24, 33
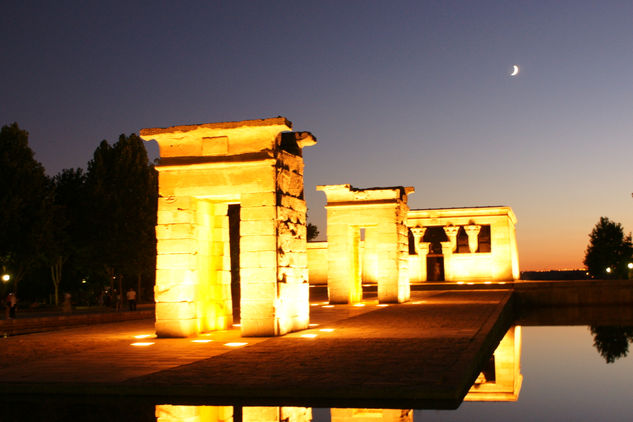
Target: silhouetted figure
12, 304
131, 299
67, 306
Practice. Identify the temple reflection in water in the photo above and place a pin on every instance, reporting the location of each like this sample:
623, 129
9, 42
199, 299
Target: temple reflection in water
499, 380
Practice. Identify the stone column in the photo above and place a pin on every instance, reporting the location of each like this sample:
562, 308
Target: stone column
423, 251
473, 232
447, 252
418, 234
451, 233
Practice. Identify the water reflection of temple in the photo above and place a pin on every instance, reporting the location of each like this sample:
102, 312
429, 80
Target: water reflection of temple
500, 379
371, 415
170, 413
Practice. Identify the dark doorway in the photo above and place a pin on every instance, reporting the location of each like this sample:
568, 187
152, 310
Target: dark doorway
234, 245
434, 268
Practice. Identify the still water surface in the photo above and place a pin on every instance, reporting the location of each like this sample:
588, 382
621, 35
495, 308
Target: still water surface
564, 377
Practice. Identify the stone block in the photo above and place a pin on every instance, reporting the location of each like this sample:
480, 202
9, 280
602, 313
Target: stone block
175, 217
258, 199
175, 293
258, 243
258, 327
293, 203
184, 261
175, 231
175, 310
176, 328
176, 246
258, 228
261, 213
262, 290
176, 204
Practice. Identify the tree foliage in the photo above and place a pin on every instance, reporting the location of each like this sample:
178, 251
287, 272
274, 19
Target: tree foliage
608, 248
26, 200
122, 187
612, 342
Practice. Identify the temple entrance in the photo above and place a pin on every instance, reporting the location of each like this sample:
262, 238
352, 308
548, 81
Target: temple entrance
435, 268
234, 247
231, 237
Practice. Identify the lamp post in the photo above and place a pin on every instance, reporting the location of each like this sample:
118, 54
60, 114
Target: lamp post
6, 278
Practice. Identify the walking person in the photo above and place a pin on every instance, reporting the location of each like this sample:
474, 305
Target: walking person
131, 299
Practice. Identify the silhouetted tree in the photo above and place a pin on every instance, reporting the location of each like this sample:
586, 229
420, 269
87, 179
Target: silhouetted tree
608, 248
122, 187
312, 231
25, 202
67, 240
612, 342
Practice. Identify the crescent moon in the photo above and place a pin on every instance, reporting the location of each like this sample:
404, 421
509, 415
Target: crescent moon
515, 70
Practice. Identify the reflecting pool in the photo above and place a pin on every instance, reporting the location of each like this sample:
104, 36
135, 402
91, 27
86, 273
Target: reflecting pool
536, 373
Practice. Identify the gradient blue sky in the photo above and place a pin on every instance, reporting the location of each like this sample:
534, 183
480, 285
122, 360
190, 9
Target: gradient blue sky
411, 93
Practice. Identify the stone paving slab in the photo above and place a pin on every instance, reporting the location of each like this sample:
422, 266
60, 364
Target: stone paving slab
425, 353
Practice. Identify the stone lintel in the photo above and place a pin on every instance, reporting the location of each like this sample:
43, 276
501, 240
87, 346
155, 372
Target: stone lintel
275, 121
196, 161
472, 212
346, 193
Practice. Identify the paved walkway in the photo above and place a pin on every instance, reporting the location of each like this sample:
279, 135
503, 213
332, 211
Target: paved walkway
423, 353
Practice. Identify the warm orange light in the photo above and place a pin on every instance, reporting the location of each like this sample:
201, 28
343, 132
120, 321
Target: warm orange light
139, 336
327, 330
309, 335
313, 325
202, 340
235, 344
359, 305
142, 343
237, 325
382, 305
327, 306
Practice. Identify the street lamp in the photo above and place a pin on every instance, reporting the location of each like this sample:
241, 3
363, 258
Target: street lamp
6, 278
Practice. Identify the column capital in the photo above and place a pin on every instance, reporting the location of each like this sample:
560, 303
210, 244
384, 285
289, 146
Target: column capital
472, 230
451, 233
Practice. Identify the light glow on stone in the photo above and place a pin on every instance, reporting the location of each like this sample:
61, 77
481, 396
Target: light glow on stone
327, 306
140, 336
309, 335
201, 340
235, 344
327, 330
142, 343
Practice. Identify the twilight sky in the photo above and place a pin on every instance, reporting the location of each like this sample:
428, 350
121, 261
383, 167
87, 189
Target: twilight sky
413, 93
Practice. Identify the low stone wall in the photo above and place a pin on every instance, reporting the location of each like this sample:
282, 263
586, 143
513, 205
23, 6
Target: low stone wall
10, 327
574, 292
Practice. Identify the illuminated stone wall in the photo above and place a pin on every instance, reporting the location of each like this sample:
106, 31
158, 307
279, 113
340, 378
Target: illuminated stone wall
203, 168
466, 262
380, 214
502, 379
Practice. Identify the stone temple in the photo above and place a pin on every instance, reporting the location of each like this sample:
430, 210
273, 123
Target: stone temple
231, 234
